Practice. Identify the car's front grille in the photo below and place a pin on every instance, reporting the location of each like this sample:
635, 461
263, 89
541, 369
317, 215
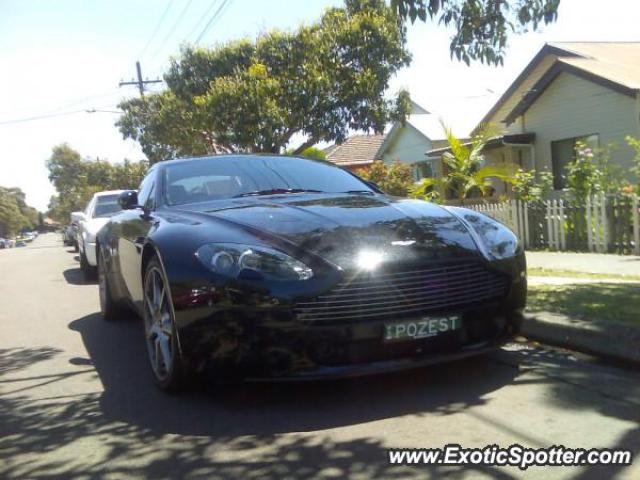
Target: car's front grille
406, 293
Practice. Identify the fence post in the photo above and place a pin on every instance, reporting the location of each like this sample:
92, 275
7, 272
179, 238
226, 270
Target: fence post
605, 224
513, 215
549, 229
635, 204
589, 235
526, 225
563, 240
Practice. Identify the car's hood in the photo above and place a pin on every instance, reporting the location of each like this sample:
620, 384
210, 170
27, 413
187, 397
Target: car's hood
340, 227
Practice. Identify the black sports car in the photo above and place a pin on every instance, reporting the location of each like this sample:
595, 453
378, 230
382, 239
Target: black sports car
270, 266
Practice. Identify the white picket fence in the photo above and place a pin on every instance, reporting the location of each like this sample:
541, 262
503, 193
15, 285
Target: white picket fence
546, 224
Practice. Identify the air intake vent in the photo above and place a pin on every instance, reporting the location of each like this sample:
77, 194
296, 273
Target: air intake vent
409, 293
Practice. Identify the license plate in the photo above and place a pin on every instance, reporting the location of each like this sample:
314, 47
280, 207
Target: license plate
421, 328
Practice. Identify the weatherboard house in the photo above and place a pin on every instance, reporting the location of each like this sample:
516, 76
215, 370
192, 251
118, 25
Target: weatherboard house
569, 92
405, 142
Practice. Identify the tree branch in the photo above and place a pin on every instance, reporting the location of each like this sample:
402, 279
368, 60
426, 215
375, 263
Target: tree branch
309, 143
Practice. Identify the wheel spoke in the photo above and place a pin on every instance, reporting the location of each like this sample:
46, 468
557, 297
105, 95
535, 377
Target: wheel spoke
165, 351
158, 355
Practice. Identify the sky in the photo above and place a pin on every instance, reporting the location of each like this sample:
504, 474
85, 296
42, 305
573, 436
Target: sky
60, 58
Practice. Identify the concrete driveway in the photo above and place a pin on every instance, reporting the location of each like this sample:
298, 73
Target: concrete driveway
77, 401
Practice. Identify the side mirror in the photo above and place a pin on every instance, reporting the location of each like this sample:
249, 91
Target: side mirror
128, 200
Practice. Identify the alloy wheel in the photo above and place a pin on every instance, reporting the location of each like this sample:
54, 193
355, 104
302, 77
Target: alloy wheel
158, 325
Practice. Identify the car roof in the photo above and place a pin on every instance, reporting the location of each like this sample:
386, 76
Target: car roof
107, 192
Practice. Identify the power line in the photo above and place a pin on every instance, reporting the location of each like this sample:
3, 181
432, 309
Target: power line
216, 16
175, 25
155, 30
202, 18
40, 117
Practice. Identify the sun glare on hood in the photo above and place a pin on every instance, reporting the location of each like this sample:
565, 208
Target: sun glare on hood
369, 259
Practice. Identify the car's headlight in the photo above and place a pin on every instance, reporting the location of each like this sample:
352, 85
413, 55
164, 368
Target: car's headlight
234, 259
499, 241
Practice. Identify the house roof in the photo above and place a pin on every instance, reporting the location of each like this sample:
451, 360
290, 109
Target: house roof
614, 64
355, 150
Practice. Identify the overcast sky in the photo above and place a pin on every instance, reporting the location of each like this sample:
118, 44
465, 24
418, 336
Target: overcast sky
67, 56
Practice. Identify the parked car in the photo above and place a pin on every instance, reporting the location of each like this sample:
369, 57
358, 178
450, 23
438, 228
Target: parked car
101, 206
69, 236
269, 266
21, 243
3, 243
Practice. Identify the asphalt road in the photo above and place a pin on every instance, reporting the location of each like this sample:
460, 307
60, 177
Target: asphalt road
77, 401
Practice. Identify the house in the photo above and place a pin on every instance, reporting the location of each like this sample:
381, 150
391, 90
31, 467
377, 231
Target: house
356, 152
404, 142
569, 92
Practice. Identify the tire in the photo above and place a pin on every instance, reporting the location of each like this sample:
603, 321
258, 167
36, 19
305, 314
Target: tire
163, 350
89, 272
108, 306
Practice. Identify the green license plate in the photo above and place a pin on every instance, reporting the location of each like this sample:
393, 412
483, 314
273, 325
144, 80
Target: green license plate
421, 328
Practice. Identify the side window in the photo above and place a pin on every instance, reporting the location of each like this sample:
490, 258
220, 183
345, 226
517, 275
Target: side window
146, 190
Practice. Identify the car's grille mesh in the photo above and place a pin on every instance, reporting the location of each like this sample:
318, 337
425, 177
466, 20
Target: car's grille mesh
406, 293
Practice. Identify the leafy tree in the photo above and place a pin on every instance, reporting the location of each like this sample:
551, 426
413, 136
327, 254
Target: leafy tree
465, 174
482, 27
311, 152
77, 179
320, 81
528, 186
15, 214
394, 179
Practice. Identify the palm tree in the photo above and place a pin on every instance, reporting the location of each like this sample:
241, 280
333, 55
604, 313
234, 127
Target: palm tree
465, 174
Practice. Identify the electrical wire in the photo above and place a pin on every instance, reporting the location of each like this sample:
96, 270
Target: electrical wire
155, 30
172, 30
202, 19
41, 117
214, 18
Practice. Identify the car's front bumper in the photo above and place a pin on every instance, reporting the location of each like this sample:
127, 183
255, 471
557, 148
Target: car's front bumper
274, 344
258, 334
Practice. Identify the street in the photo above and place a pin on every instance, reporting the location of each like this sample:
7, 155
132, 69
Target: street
77, 401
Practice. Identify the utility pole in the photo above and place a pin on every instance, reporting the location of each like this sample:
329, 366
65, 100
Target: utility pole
140, 82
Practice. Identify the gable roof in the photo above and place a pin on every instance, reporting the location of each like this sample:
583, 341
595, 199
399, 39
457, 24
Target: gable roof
613, 64
357, 150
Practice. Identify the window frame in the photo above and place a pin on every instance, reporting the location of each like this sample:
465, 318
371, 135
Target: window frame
572, 158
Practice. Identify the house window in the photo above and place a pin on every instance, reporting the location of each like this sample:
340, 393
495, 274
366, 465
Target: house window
563, 152
423, 170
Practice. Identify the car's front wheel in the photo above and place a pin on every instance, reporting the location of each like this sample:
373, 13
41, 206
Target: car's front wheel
160, 332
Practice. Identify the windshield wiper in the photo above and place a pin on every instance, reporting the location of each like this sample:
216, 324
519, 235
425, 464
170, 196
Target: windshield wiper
277, 191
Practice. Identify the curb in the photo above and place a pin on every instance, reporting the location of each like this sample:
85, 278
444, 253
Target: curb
604, 339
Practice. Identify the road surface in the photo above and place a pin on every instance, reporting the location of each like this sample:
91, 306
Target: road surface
77, 401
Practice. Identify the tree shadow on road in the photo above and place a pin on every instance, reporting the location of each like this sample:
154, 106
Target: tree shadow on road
235, 431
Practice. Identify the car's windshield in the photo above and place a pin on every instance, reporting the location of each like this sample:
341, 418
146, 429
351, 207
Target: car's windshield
106, 206
215, 178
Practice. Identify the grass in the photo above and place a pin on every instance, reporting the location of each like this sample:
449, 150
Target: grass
546, 272
593, 301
